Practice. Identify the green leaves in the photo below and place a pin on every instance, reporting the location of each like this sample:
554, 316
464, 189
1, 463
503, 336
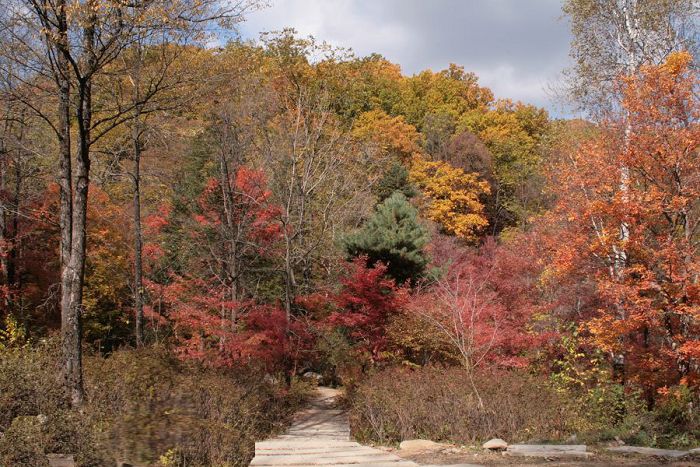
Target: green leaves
395, 179
393, 236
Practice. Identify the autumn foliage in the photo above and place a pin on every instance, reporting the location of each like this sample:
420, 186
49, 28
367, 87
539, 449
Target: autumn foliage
365, 304
453, 197
640, 174
305, 210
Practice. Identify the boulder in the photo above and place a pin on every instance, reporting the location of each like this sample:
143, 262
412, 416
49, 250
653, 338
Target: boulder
419, 445
61, 460
495, 444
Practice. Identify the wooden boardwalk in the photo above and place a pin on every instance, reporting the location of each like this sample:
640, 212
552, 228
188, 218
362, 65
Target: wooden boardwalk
320, 435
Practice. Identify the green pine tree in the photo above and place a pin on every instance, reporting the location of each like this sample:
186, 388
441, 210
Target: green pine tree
393, 236
395, 179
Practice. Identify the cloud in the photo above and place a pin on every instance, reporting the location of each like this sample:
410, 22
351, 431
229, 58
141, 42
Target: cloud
516, 47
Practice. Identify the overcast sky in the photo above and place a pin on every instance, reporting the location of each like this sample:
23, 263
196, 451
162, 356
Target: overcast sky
516, 47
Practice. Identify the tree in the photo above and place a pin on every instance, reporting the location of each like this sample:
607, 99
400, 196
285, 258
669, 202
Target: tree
367, 301
394, 180
514, 134
237, 226
256, 338
394, 237
482, 306
65, 47
647, 320
365, 84
612, 38
467, 152
443, 95
644, 33
13, 174
393, 135
452, 197
319, 175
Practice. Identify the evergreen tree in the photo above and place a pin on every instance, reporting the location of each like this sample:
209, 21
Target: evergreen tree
394, 237
395, 179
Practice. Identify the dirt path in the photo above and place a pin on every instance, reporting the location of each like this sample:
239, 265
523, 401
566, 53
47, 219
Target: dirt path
320, 435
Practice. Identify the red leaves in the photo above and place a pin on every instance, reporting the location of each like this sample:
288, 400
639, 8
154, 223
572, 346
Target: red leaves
365, 303
483, 304
223, 333
251, 210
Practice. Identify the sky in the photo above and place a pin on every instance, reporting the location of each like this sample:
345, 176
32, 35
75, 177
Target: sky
518, 48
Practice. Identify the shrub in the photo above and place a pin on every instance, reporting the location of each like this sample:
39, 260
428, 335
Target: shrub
28, 382
142, 406
439, 403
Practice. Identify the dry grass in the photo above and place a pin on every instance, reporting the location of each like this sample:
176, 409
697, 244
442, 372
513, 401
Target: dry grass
439, 404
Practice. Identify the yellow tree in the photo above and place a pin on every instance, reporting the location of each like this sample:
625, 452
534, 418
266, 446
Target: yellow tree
514, 134
393, 135
452, 195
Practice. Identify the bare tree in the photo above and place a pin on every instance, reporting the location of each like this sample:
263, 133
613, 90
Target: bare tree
314, 163
615, 37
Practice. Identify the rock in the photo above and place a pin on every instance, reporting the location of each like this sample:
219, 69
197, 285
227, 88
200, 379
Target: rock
41, 418
269, 379
695, 452
419, 445
312, 377
651, 452
61, 460
548, 450
495, 444
451, 465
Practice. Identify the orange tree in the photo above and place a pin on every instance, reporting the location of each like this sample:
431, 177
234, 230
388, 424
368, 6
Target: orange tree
649, 314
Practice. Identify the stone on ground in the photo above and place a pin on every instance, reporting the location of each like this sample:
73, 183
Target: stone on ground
495, 444
419, 445
650, 452
61, 460
548, 450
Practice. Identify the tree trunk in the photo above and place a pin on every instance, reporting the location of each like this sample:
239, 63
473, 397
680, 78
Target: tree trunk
138, 237
4, 165
72, 261
12, 232
138, 234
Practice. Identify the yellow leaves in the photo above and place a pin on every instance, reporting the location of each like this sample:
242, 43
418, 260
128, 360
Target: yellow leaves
14, 333
677, 62
392, 134
453, 196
